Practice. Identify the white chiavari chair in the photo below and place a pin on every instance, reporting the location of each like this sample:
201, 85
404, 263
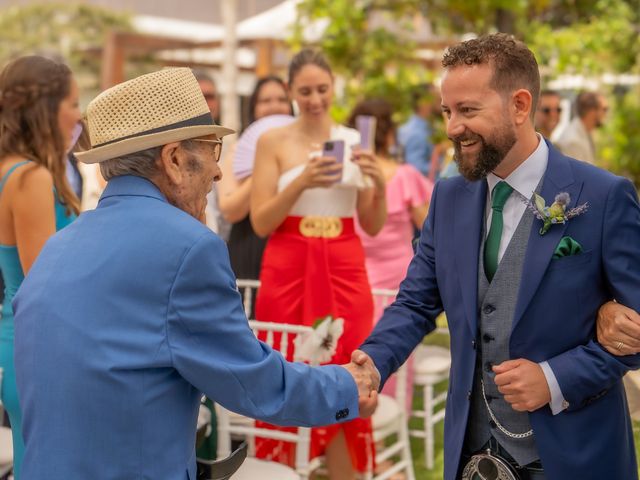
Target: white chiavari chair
232, 425
430, 367
390, 421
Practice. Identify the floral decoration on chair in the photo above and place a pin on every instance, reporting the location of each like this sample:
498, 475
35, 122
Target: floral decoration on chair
320, 345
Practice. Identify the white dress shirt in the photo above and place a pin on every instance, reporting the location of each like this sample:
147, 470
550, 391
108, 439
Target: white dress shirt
524, 181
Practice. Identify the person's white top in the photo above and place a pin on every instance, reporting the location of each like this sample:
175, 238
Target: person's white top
337, 201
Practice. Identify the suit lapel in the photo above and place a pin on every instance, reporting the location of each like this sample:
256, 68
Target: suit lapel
469, 215
557, 178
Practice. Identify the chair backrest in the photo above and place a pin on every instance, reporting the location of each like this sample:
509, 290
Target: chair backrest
248, 287
280, 335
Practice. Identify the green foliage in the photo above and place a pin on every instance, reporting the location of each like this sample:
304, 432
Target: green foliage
604, 42
68, 30
621, 140
375, 61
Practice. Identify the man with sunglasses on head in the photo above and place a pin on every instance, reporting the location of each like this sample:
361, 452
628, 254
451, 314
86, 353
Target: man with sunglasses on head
577, 139
548, 113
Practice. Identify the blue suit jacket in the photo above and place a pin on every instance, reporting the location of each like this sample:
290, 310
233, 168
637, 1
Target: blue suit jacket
554, 319
126, 317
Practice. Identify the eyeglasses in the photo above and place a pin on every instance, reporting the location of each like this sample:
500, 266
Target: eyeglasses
217, 146
548, 110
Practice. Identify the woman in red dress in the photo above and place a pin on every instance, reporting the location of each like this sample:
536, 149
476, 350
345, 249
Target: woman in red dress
313, 265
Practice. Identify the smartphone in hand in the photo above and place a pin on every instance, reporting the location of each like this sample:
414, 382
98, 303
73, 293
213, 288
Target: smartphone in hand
366, 125
334, 148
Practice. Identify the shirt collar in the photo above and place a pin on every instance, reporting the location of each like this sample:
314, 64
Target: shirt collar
131, 185
527, 176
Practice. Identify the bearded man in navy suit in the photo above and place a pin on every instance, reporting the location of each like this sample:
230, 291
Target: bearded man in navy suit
521, 252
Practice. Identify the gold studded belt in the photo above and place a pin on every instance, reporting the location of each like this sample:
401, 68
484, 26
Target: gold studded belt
317, 227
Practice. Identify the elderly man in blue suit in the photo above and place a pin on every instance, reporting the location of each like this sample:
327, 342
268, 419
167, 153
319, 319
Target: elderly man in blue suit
521, 252
132, 312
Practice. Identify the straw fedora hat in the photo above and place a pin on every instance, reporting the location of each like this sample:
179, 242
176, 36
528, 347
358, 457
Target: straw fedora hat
148, 111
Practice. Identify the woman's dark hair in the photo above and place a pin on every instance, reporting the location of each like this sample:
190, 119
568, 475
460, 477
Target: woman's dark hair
31, 90
383, 112
253, 99
305, 57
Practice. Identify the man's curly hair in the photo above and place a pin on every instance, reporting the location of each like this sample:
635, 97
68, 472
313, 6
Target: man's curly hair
514, 65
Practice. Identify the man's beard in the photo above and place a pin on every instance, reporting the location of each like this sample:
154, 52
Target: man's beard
489, 156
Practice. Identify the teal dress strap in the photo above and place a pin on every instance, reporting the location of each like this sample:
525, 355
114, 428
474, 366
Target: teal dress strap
6, 175
62, 218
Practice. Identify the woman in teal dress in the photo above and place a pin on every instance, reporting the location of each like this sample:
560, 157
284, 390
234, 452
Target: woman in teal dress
38, 113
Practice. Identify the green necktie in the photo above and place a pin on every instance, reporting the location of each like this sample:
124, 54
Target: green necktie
491, 246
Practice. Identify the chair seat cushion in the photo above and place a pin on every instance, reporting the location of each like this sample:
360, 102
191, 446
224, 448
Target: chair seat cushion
6, 447
387, 412
253, 469
432, 360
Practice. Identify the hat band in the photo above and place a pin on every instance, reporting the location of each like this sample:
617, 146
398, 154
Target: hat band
201, 120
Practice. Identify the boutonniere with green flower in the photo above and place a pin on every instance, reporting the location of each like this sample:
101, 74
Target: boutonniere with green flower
556, 212
320, 345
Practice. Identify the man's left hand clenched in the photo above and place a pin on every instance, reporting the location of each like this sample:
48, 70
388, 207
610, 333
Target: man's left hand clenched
523, 384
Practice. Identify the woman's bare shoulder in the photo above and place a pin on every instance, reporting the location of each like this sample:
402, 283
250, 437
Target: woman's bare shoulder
31, 175
278, 134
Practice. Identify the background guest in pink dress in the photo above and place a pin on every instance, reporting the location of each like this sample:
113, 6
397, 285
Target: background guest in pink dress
387, 255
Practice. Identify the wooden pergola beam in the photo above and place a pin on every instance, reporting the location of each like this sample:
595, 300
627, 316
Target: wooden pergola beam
120, 45
112, 65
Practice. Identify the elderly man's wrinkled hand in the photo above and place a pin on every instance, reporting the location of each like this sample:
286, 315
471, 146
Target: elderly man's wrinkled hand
360, 358
618, 329
367, 405
362, 377
368, 381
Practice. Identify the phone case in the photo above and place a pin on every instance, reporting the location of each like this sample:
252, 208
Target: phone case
334, 148
366, 125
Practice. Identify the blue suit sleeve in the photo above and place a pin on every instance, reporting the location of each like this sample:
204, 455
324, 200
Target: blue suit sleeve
407, 320
587, 372
214, 349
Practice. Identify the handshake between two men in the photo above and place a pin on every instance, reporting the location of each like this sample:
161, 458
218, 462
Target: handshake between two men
367, 378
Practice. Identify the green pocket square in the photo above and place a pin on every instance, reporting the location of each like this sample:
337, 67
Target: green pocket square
567, 246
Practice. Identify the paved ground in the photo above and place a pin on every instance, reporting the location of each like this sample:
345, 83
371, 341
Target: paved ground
632, 385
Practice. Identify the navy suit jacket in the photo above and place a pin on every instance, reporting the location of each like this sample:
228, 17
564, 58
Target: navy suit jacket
126, 317
555, 317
